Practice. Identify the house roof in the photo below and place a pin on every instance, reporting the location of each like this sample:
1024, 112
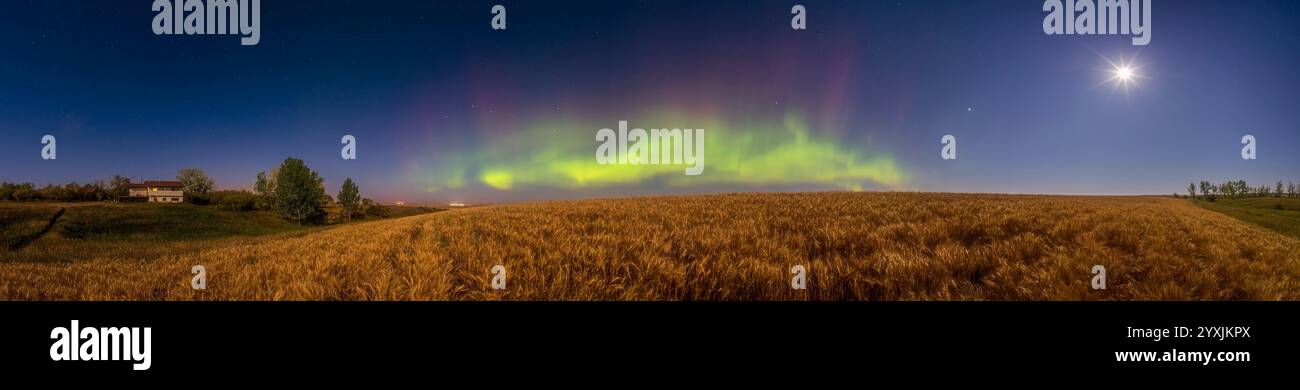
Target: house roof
156, 183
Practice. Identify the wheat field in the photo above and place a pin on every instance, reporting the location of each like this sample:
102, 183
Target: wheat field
855, 246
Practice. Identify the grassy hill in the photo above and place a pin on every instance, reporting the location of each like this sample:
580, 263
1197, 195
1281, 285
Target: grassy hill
142, 230
855, 246
1278, 214
130, 230
22, 223
166, 222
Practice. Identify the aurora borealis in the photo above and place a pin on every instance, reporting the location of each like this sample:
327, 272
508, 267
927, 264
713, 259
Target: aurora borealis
445, 109
555, 154
781, 121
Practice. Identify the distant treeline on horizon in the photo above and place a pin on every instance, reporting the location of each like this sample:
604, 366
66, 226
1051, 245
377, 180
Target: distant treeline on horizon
1241, 189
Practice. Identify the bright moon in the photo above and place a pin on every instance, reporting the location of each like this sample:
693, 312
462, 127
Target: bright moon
1124, 73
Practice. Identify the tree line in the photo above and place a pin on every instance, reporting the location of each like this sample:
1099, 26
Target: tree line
98, 190
193, 180
1240, 189
292, 190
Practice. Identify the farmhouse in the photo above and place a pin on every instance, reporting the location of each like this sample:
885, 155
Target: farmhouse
156, 191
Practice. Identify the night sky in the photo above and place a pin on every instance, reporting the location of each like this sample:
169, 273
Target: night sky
447, 110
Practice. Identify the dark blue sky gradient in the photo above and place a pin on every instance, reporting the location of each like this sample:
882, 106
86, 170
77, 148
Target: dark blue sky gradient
1033, 113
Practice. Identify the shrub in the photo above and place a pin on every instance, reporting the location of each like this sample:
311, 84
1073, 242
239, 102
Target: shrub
378, 211
234, 200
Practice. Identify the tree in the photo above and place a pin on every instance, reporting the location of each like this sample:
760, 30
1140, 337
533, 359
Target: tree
25, 191
119, 186
349, 198
298, 192
90, 192
71, 192
1279, 188
195, 183
1191, 190
265, 190
1290, 189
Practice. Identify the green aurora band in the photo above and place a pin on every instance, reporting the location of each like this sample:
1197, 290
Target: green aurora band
561, 154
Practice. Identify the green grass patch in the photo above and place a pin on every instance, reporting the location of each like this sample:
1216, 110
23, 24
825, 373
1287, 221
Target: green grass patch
136, 230
166, 222
1281, 215
140, 230
21, 222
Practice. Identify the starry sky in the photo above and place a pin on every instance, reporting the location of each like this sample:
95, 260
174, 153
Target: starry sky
445, 109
